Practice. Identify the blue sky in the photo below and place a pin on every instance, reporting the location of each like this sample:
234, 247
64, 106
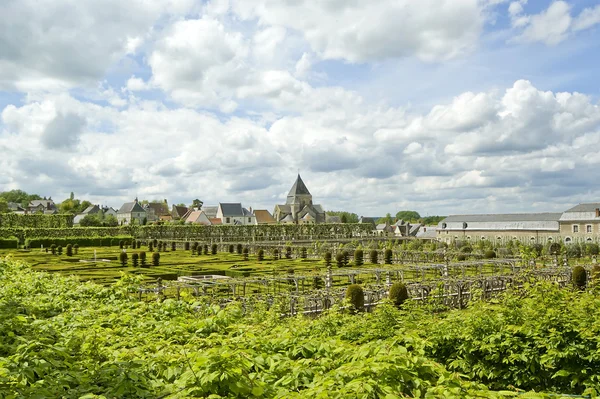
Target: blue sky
441, 106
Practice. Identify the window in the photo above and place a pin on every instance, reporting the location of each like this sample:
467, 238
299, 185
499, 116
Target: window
468, 238
482, 237
249, 220
532, 238
549, 239
498, 238
588, 228
575, 228
227, 220
568, 239
444, 225
589, 239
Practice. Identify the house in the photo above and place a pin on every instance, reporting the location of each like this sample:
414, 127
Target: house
215, 221
198, 217
234, 213
211, 211
90, 210
109, 211
154, 210
299, 207
131, 212
370, 220
178, 211
428, 232
45, 206
262, 216
15, 207
384, 229
580, 223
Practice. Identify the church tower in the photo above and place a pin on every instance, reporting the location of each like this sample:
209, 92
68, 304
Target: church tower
298, 197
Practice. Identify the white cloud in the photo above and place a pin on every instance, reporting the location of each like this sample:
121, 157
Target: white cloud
588, 18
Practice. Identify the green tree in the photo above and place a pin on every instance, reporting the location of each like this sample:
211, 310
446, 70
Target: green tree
3, 205
91, 221
197, 203
19, 196
346, 217
408, 216
110, 221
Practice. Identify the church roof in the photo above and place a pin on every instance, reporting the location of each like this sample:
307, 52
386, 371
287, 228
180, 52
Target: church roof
299, 188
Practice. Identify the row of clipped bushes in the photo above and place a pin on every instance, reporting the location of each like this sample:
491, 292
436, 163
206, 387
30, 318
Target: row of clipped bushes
9, 243
81, 241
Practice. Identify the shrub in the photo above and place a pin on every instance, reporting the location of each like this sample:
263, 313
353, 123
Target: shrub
345, 257
356, 297
186, 246
358, 257
59, 250
76, 248
173, 246
205, 247
373, 256
303, 253
239, 249
134, 259
387, 256
123, 258
398, 294
466, 249
592, 249
288, 252
150, 247
260, 255
290, 271
53, 249
69, 250
133, 243
461, 257
574, 251
245, 252
143, 259
155, 259
9, 243
327, 258
213, 249
579, 277
230, 248
317, 283
275, 254
489, 254
339, 259
595, 274
195, 247
121, 244
155, 242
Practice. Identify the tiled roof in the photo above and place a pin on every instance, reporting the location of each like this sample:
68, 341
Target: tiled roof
179, 211
160, 208
263, 216
214, 221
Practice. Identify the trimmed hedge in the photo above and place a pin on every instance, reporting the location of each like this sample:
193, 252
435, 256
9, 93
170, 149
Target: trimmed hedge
9, 243
81, 241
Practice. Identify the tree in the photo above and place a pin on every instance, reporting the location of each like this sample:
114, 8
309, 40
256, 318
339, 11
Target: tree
345, 217
110, 221
387, 219
197, 203
91, 221
19, 196
3, 205
408, 216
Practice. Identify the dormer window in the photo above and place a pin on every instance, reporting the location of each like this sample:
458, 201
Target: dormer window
444, 225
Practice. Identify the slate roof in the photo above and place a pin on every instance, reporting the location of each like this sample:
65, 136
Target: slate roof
211, 211
179, 211
231, 209
591, 207
299, 188
263, 216
91, 208
46, 203
160, 208
505, 217
129, 207
247, 213
508, 221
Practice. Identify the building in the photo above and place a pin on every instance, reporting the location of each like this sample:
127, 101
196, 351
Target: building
262, 216
131, 211
581, 223
90, 210
155, 210
178, 211
234, 214
299, 207
198, 217
45, 206
15, 207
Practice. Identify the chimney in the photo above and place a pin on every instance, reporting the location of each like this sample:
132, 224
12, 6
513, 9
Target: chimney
598, 212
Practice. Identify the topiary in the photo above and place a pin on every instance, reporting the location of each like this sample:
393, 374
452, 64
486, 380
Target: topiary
173, 246
339, 259
205, 249
123, 258
554, 248
592, 249
134, 259
290, 271
466, 249
398, 294
579, 277
69, 250
327, 258
574, 251
260, 255
76, 248
288, 252
53, 249
387, 256
245, 253
230, 248
155, 241
239, 249
373, 255
121, 244
489, 254
143, 258
345, 257
213, 249
59, 250
186, 246
133, 243
461, 257
155, 259
194, 246
275, 254
355, 297
303, 253
150, 247
358, 257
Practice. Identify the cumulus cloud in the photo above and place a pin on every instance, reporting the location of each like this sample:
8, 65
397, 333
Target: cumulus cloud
63, 131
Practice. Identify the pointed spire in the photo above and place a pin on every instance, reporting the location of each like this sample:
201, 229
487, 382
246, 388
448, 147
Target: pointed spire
299, 188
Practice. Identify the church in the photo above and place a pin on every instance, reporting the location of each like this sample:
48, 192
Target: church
299, 207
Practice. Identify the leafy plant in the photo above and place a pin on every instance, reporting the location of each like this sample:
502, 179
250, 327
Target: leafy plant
355, 297
155, 259
579, 277
398, 294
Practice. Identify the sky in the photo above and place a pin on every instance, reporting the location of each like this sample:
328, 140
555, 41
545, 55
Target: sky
439, 106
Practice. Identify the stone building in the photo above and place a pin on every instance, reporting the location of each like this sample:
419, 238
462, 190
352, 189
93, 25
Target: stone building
131, 211
299, 207
581, 223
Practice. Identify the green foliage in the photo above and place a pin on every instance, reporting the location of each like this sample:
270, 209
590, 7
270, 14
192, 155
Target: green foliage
213, 249
573, 251
592, 249
155, 259
69, 250
239, 249
204, 249
35, 221
3, 205
579, 277
408, 216
260, 255
59, 249
275, 254
461, 257
173, 246
387, 256
327, 258
143, 259
9, 243
398, 293
373, 256
245, 253
135, 259
123, 258
346, 217
230, 248
340, 259
355, 297
303, 253
76, 248
288, 252
466, 249
358, 257
489, 254
79, 241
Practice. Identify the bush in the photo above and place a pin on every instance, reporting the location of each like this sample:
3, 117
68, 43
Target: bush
339, 259
290, 271
121, 244
574, 251
327, 258
230, 248
205, 247
260, 255
186, 246
358, 257
69, 250
155, 242
76, 248
489, 254
123, 258
59, 250
356, 297
288, 252
239, 249
466, 249
398, 294
461, 257
592, 249
155, 259
150, 247
579, 277
303, 253
345, 255
595, 274
134, 259
143, 259
373, 256
53, 249
133, 243
9, 243
93, 241
195, 246
387, 256
173, 246
275, 254
213, 249
245, 252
